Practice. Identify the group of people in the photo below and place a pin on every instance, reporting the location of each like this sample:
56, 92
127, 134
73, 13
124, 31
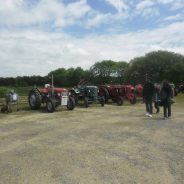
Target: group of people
161, 95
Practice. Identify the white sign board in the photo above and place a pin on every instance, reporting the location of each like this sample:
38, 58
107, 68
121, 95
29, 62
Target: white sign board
14, 97
64, 100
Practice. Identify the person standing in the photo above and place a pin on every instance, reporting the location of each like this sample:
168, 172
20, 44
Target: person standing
166, 95
157, 97
148, 92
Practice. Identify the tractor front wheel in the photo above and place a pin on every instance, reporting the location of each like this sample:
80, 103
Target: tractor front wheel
50, 105
86, 104
119, 101
104, 92
102, 101
71, 103
133, 100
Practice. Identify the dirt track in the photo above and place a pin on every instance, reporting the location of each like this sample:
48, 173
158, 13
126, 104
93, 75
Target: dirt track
95, 145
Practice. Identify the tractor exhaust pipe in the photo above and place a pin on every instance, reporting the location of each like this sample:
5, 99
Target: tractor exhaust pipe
52, 85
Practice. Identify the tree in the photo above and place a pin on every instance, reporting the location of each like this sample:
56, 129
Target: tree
108, 71
157, 66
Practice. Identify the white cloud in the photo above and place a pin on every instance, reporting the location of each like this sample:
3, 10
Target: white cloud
174, 4
118, 4
10, 4
150, 12
26, 48
98, 19
176, 17
147, 9
141, 6
165, 1
14, 12
38, 52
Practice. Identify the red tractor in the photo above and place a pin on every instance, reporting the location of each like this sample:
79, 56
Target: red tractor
139, 90
113, 92
117, 93
128, 91
52, 97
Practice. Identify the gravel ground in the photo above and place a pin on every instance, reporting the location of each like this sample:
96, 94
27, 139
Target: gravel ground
97, 145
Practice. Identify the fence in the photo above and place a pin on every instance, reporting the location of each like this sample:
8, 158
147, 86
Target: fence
23, 100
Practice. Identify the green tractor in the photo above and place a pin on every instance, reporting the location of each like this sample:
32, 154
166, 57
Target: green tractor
87, 93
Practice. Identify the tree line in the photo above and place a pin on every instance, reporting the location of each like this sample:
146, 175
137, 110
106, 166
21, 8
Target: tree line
156, 66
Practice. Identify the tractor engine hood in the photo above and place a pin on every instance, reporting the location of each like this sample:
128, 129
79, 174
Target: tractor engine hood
56, 90
91, 87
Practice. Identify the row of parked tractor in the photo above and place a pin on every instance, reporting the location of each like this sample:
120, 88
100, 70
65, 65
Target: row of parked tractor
85, 93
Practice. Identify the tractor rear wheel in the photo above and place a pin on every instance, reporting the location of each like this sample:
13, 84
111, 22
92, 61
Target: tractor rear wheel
104, 92
71, 103
34, 99
50, 105
75, 96
119, 100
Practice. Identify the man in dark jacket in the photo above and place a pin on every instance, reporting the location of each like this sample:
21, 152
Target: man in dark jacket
166, 95
148, 92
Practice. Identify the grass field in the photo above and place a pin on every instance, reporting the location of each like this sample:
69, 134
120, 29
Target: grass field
98, 145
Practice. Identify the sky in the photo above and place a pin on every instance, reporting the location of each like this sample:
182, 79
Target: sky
38, 36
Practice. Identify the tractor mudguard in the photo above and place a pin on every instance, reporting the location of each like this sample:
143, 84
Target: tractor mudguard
75, 90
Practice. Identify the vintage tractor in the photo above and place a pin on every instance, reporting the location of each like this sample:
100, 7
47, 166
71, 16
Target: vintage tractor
87, 93
129, 93
117, 93
113, 92
52, 97
139, 90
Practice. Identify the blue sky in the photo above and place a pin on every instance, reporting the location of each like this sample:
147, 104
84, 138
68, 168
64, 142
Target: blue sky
71, 33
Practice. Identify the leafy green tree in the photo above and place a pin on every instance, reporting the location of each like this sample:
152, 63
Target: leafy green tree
157, 66
108, 71
60, 77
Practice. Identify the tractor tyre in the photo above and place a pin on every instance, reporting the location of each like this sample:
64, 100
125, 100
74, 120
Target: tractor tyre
50, 105
75, 96
71, 103
102, 101
119, 100
34, 99
104, 92
86, 103
133, 100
